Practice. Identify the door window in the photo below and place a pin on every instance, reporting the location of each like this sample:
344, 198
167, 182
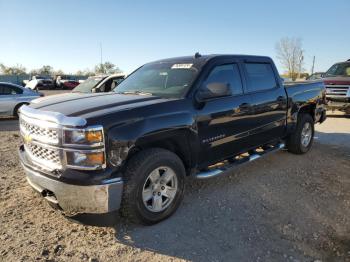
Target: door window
228, 74
10, 90
116, 82
6, 90
260, 76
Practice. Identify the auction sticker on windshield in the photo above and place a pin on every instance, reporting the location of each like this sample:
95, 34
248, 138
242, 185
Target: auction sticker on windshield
181, 66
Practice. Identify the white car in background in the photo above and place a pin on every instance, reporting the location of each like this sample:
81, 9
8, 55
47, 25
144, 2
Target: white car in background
40, 83
100, 83
94, 84
12, 97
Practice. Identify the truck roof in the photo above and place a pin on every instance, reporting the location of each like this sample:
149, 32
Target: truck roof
203, 59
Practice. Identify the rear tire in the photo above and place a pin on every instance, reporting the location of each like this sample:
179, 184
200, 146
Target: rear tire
148, 196
300, 141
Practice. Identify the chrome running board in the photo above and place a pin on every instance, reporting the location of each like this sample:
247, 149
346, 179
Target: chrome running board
237, 161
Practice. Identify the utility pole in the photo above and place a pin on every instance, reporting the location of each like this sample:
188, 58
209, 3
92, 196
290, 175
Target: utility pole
101, 55
313, 65
301, 59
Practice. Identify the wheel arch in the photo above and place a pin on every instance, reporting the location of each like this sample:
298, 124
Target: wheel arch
177, 142
307, 109
15, 109
296, 111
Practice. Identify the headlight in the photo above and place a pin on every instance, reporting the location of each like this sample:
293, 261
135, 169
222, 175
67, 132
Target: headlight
86, 159
87, 136
86, 147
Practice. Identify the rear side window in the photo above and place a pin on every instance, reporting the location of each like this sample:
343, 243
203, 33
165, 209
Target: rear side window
259, 77
16, 90
5, 90
10, 90
227, 74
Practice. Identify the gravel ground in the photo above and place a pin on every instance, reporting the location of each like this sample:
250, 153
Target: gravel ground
335, 130
281, 208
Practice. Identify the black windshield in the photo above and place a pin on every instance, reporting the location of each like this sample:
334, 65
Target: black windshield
169, 80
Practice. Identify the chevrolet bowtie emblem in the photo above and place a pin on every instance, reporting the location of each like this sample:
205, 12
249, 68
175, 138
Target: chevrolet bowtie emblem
27, 139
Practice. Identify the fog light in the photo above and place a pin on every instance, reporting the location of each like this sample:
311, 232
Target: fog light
80, 159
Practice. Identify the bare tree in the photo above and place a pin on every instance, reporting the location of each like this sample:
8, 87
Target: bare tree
107, 68
58, 72
12, 70
291, 55
44, 70
86, 72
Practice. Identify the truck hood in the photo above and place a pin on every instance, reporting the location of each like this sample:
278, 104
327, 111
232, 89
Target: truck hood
79, 104
48, 98
337, 80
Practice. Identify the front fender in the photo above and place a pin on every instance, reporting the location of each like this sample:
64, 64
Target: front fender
143, 131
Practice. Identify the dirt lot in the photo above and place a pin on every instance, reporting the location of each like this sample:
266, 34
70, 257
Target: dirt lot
281, 208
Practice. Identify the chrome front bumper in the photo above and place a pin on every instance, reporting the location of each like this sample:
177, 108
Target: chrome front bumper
75, 199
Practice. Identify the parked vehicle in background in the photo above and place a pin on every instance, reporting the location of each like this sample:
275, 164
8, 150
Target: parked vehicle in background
94, 84
40, 83
12, 97
66, 82
315, 76
286, 79
189, 116
25, 82
337, 81
98, 84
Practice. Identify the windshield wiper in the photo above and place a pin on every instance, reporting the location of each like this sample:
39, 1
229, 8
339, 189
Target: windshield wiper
135, 93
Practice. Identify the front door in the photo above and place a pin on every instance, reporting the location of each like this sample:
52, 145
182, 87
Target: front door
223, 123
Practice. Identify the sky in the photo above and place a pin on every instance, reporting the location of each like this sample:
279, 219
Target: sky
67, 34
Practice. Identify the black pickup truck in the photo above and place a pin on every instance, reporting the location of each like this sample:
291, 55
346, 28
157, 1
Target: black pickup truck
132, 149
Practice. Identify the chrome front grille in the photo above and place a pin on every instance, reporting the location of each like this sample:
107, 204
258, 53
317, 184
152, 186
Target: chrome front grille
337, 91
44, 153
42, 131
40, 138
48, 157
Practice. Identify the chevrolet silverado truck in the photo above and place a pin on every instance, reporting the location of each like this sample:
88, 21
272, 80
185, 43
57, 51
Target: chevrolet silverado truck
131, 150
337, 81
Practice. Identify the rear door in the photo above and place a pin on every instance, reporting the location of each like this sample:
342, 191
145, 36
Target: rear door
8, 96
269, 102
223, 123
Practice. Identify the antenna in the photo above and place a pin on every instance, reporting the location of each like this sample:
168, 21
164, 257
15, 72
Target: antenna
197, 55
101, 53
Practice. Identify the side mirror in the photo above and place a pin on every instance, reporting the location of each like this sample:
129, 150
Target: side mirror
213, 90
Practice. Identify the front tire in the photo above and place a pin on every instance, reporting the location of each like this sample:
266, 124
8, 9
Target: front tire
154, 186
300, 141
347, 111
15, 111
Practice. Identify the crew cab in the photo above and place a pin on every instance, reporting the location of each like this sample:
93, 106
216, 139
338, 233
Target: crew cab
337, 81
132, 149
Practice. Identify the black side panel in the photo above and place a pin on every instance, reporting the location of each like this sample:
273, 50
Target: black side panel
269, 117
